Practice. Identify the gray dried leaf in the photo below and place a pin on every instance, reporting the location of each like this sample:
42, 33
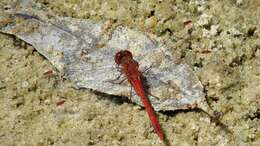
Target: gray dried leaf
84, 51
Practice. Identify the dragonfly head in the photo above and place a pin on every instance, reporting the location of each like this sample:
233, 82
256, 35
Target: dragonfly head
123, 54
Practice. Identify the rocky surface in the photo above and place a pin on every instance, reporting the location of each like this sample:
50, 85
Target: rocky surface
219, 40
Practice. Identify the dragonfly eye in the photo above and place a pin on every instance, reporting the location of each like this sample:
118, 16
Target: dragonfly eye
121, 55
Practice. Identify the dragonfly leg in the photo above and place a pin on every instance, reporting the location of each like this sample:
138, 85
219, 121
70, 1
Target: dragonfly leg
116, 80
120, 82
149, 93
146, 70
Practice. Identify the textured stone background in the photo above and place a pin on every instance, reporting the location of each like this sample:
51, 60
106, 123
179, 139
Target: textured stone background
220, 42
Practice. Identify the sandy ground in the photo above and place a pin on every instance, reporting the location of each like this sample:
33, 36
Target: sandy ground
219, 40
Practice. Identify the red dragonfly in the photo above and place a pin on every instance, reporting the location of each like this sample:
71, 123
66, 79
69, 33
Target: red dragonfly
129, 67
